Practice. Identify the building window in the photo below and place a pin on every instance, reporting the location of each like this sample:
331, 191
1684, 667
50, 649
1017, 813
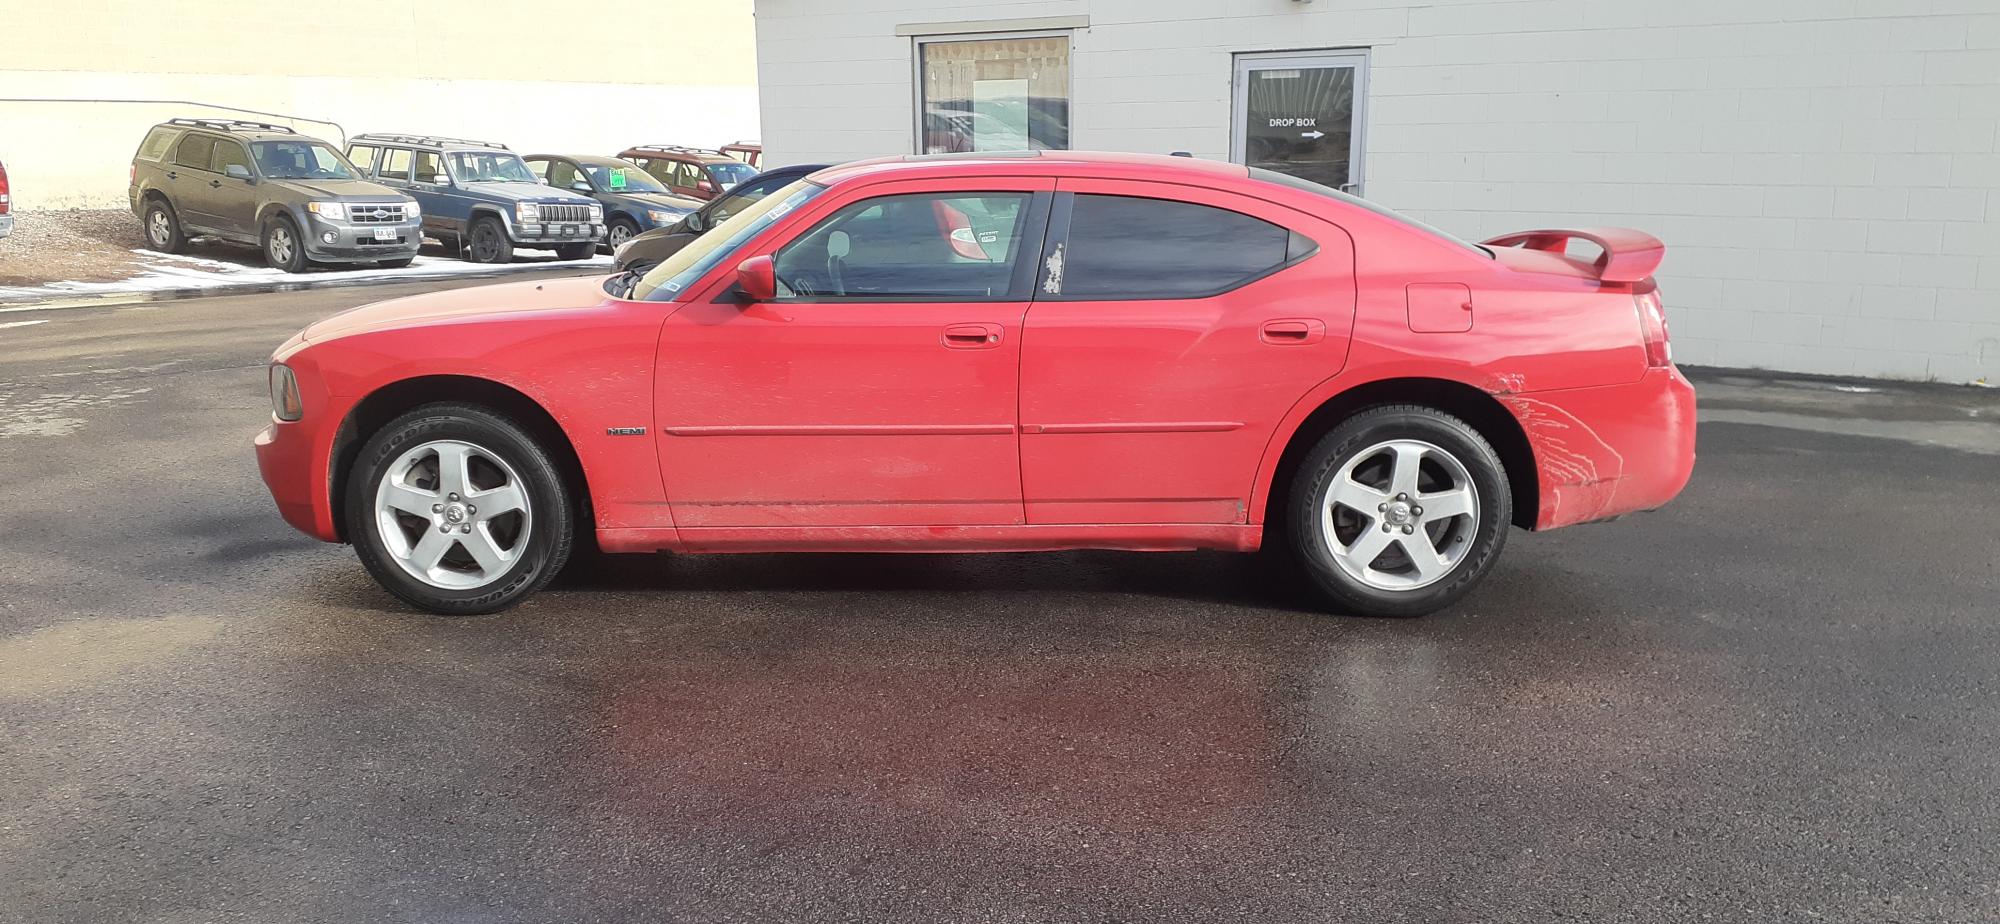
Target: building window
993, 94
1300, 113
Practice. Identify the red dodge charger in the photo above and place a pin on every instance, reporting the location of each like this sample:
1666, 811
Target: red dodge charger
1049, 350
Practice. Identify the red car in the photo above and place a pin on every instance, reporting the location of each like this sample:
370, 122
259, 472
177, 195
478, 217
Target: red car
1048, 350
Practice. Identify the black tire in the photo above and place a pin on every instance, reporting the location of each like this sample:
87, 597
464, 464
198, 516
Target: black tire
549, 523
582, 251
284, 249
398, 263
1357, 441
162, 227
487, 241
618, 232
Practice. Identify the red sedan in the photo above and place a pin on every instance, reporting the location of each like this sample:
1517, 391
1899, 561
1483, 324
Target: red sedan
1001, 353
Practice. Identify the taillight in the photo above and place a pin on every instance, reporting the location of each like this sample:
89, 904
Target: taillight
1653, 329
6, 194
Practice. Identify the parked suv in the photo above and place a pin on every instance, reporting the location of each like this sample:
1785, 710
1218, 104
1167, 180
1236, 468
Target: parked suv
266, 185
633, 201
479, 197
6, 204
698, 173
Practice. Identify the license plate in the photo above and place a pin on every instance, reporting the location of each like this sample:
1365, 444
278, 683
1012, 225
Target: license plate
568, 229
385, 234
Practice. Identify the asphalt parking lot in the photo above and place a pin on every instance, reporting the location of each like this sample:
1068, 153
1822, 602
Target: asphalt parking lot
1775, 700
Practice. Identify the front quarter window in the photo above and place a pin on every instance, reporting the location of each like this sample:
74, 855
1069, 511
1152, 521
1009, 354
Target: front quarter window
704, 253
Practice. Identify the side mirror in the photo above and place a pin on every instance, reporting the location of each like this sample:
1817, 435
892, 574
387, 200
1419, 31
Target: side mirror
441, 179
758, 278
582, 186
692, 222
236, 171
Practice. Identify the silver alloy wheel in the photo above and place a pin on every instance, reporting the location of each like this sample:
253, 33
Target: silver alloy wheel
453, 514
618, 234
1400, 515
158, 227
281, 244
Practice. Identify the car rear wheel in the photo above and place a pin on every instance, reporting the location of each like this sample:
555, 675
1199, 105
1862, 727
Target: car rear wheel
582, 251
1399, 511
282, 247
488, 242
458, 510
163, 228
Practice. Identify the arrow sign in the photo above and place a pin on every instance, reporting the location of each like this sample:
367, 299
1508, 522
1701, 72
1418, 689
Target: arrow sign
1313, 135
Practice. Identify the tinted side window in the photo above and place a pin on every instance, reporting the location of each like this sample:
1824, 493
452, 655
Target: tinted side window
396, 163
1124, 247
363, 158
195, 151
229, 152
429, 165
562, 174
156, 143
946, 247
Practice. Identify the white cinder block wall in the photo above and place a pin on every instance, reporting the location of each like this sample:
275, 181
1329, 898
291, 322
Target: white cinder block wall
1826, 173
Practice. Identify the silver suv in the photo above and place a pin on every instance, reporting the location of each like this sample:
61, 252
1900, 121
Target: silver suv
252, 183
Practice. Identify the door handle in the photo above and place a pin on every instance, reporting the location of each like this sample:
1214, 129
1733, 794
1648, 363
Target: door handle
215, 184
172, 175
972, 336
1293, 331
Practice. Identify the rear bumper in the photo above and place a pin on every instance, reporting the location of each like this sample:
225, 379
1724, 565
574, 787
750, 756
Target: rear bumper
1603, 452
6, 225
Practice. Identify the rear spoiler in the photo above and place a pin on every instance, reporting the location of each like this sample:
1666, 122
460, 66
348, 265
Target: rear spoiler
1629, 256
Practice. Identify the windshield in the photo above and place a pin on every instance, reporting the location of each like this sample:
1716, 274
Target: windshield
702, 254
621, 177
730, 174
1272, 176
489, 167
299, 160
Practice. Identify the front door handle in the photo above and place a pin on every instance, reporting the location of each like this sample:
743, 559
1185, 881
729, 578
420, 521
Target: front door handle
172, 175
1293, 331
972, 336
215, 184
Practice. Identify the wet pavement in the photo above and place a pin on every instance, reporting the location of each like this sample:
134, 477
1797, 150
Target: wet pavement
1774, 700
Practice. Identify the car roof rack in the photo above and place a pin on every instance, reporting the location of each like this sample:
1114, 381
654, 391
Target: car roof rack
234, 125
434, 141
678, 149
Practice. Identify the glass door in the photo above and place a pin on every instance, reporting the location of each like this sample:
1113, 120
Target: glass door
1300, 113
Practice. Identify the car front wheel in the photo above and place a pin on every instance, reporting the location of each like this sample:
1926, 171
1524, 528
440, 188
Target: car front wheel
1399, 511
282, 248
458, 510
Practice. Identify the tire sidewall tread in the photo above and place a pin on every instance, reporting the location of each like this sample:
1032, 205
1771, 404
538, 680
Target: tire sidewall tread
1366, 428
552, 506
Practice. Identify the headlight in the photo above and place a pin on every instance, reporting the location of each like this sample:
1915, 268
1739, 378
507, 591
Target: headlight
285, 393
527, 213
412, 210
663, 217
331, 211
596, 214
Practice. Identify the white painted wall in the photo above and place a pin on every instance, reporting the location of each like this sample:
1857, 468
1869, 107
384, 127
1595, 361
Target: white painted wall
666, 71
1826, 173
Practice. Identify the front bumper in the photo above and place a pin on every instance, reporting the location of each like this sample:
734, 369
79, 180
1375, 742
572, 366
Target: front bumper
293, 472
557, 233
354, 243
1608, 451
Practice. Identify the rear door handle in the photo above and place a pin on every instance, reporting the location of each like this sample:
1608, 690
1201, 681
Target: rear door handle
1293, 331
972, 336
172, 175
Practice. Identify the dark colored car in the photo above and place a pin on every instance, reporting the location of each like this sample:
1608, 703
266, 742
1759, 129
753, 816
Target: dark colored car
698, 173
480, 198
658, 244
267, 186
633, 200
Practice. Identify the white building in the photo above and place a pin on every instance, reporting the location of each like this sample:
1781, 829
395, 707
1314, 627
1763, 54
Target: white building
1826, 173
76, 79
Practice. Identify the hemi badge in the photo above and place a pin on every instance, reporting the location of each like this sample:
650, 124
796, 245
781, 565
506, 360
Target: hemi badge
627, 431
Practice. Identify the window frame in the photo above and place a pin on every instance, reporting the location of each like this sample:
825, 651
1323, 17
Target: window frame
215, 153
389, 153
360, 171
1058, 235
1021, 278
917, 43
172, 137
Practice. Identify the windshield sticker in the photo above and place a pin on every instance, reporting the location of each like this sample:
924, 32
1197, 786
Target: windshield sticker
618, 178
